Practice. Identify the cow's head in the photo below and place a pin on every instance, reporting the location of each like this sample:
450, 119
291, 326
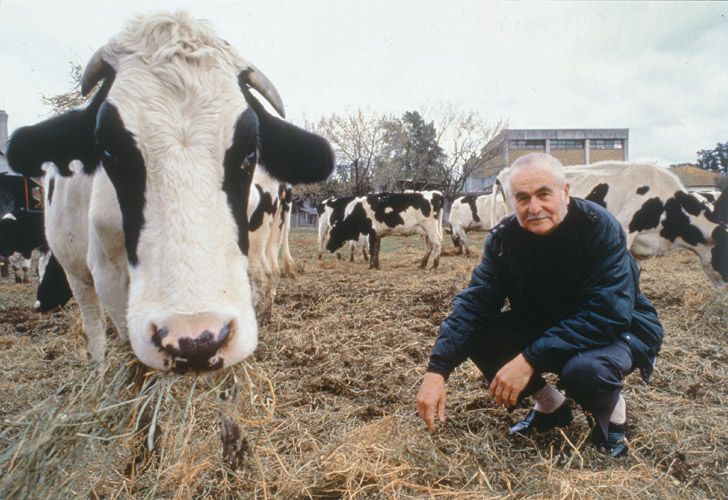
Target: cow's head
178, 131
355, 223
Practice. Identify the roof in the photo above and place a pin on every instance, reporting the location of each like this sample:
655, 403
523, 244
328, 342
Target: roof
692, 175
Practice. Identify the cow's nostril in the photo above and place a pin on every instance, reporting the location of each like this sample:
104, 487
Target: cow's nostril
199, 352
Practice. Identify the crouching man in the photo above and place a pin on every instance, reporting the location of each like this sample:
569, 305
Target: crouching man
575, 310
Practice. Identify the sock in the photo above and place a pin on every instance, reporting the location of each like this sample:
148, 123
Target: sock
548, 399
619, 414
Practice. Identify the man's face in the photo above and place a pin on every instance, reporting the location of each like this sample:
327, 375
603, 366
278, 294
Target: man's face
540, 202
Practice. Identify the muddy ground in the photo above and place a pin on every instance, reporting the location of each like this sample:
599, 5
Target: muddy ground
328, 400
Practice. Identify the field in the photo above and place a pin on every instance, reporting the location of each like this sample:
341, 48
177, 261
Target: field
327, 407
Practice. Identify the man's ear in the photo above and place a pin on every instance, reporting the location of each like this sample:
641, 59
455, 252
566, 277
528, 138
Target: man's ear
566, 192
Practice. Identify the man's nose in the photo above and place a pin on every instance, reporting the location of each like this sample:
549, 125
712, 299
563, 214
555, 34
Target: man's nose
534, 206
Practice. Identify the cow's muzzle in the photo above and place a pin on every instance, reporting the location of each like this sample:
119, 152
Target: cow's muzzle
187, 351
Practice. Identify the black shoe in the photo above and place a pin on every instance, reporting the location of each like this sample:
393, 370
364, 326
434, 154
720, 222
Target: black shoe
535, 420
615, 443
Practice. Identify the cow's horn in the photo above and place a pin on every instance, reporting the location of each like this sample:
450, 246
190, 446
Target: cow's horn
96, 70
257, 80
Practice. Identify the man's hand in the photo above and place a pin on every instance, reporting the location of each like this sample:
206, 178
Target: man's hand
431, 399
510, 380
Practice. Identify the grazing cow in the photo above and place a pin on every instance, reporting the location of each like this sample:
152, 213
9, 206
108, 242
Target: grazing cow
21, 232
330, 211
402, 214
151, 179
470, 213
269, 208
657, 213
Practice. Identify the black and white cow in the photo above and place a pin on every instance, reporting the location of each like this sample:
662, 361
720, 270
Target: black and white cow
166, 152
21, 232
269, 209
473, 213
330, 211
656, 211
383, 214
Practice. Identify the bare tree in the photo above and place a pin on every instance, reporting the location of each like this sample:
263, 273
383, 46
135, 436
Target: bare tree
462, 136
64, 102
357, 140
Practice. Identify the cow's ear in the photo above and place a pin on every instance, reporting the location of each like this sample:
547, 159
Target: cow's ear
61, 139
289, 153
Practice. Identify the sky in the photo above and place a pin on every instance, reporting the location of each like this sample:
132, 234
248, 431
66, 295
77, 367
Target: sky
659, 69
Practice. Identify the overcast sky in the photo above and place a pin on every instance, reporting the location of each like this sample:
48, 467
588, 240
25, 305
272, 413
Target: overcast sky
659, 69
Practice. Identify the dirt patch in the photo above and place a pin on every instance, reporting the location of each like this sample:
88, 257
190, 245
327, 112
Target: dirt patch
326, 406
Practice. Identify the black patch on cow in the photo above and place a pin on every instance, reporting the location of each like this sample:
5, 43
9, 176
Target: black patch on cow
53, 289
266, 205
690, 203
648, 216
437, 203
239, 164
61, 139
22, 234
289, 153
124, 164
643, 189
677, 225
350, 228
719, 253
708, 196
387, 207
51, 188
720, 207
285, 194
470, 201
338, 207
598, 194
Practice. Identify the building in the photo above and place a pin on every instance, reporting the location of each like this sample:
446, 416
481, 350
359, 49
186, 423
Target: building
695, 178
570, 146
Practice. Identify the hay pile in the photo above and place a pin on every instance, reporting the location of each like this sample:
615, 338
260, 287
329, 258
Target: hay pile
326, 408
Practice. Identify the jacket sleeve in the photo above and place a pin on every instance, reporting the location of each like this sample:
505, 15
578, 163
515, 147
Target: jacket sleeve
607, 301
472, 308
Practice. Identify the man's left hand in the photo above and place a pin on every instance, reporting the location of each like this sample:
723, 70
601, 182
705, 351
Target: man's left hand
510, 381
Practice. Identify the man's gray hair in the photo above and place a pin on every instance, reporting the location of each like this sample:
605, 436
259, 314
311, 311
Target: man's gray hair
542, 160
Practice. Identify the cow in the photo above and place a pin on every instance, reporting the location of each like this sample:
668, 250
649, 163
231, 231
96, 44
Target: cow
656, 211
473, 212
382, 214
21, 232
150, 180
330, 211
269, 208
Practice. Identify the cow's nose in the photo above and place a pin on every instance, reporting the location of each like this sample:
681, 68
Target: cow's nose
193, 342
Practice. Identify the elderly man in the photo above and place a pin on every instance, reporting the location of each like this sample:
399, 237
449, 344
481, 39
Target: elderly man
574, 308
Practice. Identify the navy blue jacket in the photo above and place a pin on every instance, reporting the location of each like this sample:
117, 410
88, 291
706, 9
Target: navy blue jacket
578, 285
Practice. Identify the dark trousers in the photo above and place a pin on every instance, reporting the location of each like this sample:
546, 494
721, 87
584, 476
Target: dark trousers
592, 378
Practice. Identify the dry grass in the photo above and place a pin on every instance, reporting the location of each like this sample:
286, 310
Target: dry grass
327, 405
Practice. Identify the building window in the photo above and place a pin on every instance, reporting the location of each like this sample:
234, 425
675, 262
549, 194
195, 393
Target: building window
528, 144
567, 144
605, 144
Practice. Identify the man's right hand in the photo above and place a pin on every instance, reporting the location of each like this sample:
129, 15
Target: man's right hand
431, 399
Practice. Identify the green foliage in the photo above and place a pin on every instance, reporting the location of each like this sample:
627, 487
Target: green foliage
715, 159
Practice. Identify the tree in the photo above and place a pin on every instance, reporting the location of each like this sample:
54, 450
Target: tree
64, 102
715, 159
462, 136
357, 141
412, 154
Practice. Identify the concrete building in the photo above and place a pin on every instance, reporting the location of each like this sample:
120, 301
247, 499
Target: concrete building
570, 146
697, 179
3, 141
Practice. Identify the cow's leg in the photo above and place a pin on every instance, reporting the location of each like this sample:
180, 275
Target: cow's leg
323, 231
4, 266
93, 320
364, 252
288, 263
112, 285
428, 242
437, 249
352, 249
375, 243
